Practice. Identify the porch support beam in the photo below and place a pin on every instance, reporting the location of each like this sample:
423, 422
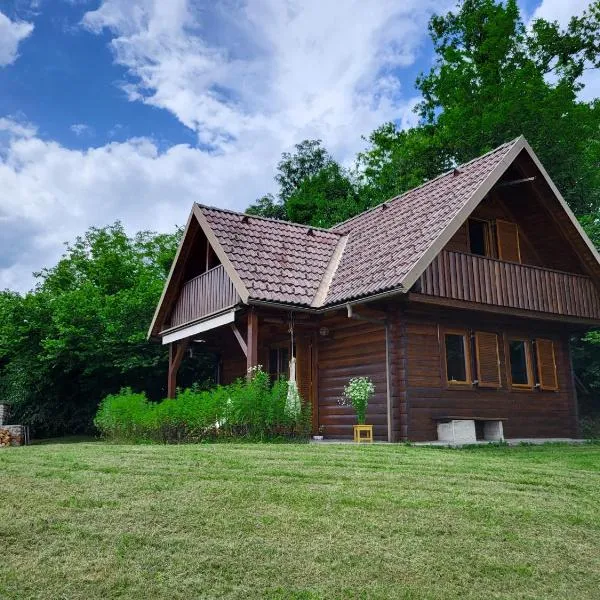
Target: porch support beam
252, 343
240, 339
176, 352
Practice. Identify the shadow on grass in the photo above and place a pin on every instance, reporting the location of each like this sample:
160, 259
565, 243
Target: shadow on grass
69, 439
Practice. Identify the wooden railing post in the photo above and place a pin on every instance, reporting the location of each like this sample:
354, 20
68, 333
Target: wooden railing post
252, 340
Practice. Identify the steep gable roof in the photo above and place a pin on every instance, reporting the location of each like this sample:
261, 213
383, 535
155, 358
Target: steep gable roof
383, 249
387, 242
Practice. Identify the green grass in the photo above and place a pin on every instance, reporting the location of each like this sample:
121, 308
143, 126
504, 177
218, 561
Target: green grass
92, 520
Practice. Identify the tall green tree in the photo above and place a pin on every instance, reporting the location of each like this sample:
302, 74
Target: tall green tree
324, 199
398, 160
495, 79
81, 333
313, 188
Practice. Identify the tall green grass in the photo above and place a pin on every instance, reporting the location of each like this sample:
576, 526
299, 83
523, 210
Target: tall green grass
253, 409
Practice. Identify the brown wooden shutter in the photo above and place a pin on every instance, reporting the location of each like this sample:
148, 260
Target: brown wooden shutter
508, 241
546, 364
303, 368
488, 359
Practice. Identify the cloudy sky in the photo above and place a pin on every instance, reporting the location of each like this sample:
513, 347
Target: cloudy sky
133, 109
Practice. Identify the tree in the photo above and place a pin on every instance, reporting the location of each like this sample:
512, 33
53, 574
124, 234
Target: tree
81, 333
398, 160
313, 188
324, 199
494, 80
267, 206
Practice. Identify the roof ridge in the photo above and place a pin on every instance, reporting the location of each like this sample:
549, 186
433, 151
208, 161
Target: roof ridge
506, 145
269, 219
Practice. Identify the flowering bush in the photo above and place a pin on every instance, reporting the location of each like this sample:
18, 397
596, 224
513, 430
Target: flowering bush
357, 393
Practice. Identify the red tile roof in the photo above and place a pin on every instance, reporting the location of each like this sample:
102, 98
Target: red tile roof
385, 242
284, 262
276, 260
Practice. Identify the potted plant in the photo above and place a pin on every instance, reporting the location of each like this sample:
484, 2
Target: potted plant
357, 393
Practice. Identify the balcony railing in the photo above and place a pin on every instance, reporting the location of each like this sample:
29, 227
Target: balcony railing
204, 295
485, 280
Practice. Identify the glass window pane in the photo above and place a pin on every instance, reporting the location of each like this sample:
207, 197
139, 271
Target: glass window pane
518, 362
477, 232
456, 363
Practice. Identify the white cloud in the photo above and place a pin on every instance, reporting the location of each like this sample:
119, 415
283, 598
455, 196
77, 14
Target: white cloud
11, 34
235, 72
80, 129
251, 79
560, 10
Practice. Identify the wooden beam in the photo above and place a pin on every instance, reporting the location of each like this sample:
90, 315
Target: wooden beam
176, 352
240, 339
504, 310
252, 342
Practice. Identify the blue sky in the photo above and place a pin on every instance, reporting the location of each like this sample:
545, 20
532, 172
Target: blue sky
133, 109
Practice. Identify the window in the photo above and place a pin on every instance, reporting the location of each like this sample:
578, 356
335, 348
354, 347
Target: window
546, 365
458, 370
279, 362
519, 358
488, 359
478, 237
508, 241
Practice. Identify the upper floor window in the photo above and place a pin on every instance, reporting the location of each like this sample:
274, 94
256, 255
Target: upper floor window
479, 237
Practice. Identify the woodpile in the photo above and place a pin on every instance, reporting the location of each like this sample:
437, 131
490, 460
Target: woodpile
4, 438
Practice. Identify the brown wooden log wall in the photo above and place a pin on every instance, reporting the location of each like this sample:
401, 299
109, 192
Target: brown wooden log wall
486, 280
352, 349
204, 295
530, 413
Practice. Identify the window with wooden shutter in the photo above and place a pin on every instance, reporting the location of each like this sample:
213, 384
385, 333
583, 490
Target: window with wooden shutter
458, 357
546, 364
520, 368
507, 234
488, 359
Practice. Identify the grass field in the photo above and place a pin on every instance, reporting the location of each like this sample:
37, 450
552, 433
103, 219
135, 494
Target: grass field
92, 520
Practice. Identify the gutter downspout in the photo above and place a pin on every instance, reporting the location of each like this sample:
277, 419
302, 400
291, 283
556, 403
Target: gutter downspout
388, 374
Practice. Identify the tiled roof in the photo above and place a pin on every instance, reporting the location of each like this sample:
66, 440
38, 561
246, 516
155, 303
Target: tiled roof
276, 260
284, 262
385, 242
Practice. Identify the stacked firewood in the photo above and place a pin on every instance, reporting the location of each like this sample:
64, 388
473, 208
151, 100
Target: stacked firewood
4, 437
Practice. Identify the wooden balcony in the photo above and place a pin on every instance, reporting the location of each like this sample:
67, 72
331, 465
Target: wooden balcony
473, 278
204, 295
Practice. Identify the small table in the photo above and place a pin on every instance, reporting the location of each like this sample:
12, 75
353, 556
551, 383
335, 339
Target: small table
359, 430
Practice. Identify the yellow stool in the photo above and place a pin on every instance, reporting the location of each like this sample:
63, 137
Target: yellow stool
358, 431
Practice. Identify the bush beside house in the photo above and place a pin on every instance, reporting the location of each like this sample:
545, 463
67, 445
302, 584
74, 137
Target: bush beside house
253, 409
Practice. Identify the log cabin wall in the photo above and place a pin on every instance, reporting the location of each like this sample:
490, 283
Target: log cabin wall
351, 349
529, 413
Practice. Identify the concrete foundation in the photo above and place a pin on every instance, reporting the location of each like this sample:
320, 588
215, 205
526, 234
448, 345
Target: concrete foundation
457, 432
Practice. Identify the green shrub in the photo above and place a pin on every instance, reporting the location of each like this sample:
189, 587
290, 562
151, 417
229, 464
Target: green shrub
590, 427
252, 409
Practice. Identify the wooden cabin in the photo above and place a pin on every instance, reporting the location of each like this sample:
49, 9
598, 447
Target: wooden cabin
457, 298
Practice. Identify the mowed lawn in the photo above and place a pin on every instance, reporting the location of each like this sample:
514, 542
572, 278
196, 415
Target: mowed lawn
94, 520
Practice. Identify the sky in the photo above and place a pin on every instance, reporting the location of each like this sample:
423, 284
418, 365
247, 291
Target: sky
132, 110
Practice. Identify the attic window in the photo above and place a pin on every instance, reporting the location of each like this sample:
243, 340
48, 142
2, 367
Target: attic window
479, 235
